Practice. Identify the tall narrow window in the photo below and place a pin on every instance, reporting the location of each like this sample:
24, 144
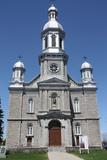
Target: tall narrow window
60, 43
31, 106
76, 105
53, 40
46, 42
77, 129
30, 130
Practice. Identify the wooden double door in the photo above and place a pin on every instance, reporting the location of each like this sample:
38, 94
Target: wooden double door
55, 134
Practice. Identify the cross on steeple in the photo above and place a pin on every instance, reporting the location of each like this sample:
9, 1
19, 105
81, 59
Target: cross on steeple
19, 57
52, 1
85, 58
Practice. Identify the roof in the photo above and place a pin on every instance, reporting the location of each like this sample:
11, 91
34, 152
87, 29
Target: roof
52, 8
52, 24
86, 65
19, 64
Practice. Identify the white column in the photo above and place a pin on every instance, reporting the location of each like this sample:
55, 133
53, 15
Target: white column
13, 76
63, 44
43, 43
57, 40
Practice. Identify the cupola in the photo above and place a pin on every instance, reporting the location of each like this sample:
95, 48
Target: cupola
52, 19
86, 72
18, 72
52, 34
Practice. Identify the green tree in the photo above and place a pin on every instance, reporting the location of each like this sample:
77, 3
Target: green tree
1, 123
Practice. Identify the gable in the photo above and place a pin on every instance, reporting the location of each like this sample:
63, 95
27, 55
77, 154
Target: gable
53, 81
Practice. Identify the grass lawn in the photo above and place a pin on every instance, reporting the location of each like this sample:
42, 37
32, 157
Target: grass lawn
26, 156
93, 155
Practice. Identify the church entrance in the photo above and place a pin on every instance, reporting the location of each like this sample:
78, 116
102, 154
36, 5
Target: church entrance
54, 133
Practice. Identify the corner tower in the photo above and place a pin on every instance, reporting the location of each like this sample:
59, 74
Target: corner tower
87, 75
53, 59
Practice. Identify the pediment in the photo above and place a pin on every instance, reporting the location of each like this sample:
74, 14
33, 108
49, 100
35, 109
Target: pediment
53, 114
53, 80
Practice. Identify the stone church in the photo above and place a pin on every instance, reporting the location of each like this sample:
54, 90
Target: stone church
52, 109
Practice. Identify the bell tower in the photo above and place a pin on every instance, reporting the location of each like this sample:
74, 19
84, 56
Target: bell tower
53, 59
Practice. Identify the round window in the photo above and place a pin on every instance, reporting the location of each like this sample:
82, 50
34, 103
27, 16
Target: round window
54, 67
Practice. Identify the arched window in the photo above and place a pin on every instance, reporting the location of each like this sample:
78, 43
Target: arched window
31, 106
54, 99
53, 40
30, 129
77, 129
76, 105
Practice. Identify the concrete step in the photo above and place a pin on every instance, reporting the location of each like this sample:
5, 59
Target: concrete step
56, 149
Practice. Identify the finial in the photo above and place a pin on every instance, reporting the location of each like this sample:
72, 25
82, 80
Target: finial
19, 58
85, 58
52, 2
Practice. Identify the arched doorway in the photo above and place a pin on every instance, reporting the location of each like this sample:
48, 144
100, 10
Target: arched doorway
54, 133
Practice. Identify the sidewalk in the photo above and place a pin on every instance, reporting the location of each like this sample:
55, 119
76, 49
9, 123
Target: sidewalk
62, 156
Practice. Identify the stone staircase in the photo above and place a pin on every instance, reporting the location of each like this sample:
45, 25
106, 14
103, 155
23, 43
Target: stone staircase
56, 149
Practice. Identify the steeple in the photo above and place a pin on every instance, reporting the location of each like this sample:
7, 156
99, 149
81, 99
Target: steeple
53, 33
53, 59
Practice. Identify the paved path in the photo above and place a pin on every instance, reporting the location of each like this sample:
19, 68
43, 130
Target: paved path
62, 156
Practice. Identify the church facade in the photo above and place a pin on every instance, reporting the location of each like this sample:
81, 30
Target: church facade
52, 109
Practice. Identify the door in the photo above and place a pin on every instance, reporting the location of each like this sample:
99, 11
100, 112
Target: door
55, 134
77, 140
29, 141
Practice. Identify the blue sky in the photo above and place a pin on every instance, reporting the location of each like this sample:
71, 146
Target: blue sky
85, 24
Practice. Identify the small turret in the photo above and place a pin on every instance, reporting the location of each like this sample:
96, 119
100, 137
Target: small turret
87, 73
18, 72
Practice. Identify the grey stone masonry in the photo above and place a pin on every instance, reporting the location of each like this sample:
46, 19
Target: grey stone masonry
52, 109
